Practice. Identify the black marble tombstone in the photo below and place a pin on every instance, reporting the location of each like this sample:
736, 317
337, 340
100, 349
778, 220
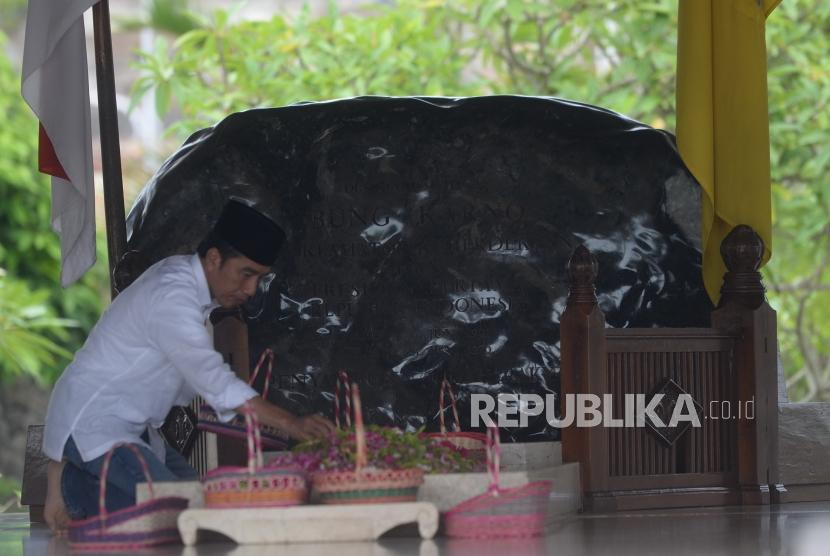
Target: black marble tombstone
428, 237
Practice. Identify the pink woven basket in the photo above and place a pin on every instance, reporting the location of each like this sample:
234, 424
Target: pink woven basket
363, 485
500, 512
255, 485
473, 445
271, 438
144, 525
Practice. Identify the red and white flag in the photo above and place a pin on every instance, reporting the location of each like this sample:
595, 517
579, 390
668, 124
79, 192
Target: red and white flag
55, 84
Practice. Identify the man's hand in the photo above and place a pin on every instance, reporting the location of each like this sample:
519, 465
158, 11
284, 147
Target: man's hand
299, 428
311, 427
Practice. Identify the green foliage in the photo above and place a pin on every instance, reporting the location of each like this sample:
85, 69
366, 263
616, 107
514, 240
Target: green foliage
29, 249
619, 54
25, 247
29, 332
9, 500
225, 66
171, 16
798, 39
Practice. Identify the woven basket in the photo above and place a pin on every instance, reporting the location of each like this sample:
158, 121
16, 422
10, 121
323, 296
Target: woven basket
144, 525
363, 485
272, 438
367, 486
473, 445
254, 486
500, 512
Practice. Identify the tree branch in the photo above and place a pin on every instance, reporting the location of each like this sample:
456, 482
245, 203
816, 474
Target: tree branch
806, 351
511, 53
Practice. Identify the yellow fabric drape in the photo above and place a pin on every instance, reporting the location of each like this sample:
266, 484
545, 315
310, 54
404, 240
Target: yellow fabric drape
722, 119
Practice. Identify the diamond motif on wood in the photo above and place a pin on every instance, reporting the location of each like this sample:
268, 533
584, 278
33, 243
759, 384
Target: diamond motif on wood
671, 393
179, 429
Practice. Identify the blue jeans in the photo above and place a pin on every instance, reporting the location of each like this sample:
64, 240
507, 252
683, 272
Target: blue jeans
80, 482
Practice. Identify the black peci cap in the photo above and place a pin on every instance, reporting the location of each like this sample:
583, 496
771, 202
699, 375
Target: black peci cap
250, 232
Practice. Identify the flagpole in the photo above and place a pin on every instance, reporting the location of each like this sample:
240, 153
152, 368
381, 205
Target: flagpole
110, 147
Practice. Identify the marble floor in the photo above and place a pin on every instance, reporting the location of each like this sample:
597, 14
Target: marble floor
789, 529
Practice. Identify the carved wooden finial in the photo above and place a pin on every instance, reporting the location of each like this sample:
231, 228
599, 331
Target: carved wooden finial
742, 251
582, 273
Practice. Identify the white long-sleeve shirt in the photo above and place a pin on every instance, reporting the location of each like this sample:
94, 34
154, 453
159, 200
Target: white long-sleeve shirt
149, 351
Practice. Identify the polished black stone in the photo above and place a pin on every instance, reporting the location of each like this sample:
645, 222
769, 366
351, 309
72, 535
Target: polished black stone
430, 236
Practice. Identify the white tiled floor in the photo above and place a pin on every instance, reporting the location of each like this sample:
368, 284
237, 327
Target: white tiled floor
789, 529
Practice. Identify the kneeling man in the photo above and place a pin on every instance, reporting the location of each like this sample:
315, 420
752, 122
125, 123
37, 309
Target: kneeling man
150, 351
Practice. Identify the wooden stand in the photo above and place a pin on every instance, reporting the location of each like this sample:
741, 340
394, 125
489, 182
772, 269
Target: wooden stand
315, 523
726, 459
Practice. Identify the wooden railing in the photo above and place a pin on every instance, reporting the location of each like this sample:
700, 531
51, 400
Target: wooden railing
728, 370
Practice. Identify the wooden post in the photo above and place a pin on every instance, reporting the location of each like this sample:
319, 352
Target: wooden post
582, 348
743, 310
110, 146
230, 338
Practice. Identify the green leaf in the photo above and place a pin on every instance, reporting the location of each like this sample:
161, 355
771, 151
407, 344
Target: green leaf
163, 96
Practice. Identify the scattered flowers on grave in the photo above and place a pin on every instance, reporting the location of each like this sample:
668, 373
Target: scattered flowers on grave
386, 448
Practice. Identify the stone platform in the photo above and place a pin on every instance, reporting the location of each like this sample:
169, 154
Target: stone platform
521, 464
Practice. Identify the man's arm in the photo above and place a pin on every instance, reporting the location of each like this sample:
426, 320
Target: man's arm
178, 331
299, 428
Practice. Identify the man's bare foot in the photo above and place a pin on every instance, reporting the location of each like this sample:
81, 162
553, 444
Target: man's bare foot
54, 511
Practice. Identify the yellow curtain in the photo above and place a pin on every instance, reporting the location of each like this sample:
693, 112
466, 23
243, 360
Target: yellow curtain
722, 119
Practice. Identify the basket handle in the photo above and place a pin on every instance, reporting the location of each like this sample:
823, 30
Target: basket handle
342, 384
493, 457
351, 399
359, 430
445, 387
105, 468
269, 354
254, 439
